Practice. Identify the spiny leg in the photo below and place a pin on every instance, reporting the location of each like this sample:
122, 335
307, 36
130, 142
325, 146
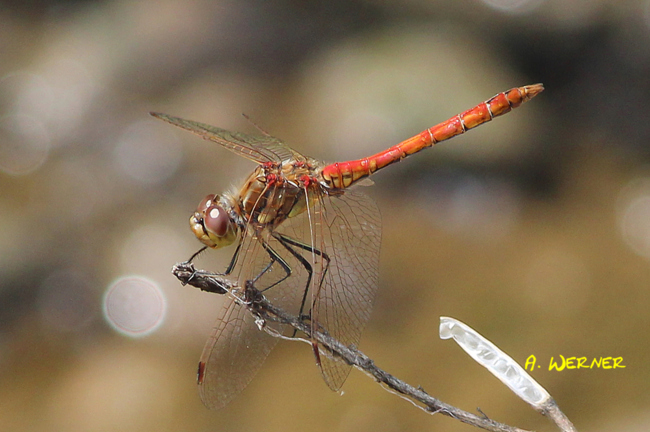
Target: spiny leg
274, 258
233, 260
283, 238
189, 262
197, 253
287, 242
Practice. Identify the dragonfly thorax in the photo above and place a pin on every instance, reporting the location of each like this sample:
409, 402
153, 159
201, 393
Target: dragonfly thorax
213, 223
273, 193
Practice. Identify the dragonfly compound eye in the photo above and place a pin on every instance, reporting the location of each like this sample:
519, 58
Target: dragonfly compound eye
208, 201
216, 221
219, 227
212, 225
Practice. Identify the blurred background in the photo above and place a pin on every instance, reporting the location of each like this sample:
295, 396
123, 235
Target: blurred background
533, 229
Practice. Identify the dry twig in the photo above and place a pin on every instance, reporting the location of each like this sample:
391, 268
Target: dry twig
264, 311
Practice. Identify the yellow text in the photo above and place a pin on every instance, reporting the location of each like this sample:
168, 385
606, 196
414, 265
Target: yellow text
584, 363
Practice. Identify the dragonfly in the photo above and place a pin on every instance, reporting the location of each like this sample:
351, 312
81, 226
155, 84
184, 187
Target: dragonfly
305, 239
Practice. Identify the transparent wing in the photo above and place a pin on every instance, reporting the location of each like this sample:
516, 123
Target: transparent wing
237, 348
258, 148
349, 227
346, 236
232, 356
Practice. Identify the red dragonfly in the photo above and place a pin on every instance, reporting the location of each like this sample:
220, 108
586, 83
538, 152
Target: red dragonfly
305, 240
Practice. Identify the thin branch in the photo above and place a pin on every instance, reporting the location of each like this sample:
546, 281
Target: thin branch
264, 311
552, 411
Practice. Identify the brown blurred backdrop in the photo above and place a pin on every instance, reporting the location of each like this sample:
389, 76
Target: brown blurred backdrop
533, 229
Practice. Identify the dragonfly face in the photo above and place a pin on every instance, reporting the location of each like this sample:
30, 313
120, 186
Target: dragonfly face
212, 224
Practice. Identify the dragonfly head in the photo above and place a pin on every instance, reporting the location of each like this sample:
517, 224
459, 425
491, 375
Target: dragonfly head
212, 224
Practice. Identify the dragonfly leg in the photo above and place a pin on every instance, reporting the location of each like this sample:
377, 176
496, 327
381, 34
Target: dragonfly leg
274, 258
287, 242
189, 261
197, 253
233, 260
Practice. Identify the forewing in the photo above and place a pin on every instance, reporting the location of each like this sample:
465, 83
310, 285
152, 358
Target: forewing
258, 148
237, 349
232, 356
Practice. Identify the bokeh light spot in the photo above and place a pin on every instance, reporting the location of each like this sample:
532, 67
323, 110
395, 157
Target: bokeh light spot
24, 144
134, 306
148, 154
635, 226
513, 6
634, 216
